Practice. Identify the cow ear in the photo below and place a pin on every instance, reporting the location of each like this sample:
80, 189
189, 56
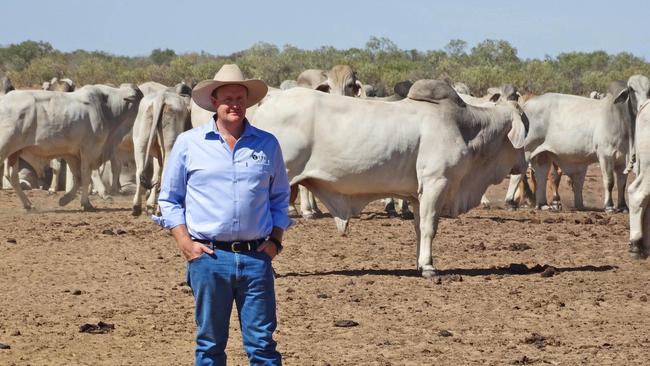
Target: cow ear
517, 133
622, 96
495, 97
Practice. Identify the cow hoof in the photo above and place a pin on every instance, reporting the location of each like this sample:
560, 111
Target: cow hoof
309, 215
407, 215
391, 213
623, 209
544, 207
556, 206
510, 205
293, 211
108, 198
429, 273
610, 209
637, 251
88, 208
65, 200
51, 192
136, 211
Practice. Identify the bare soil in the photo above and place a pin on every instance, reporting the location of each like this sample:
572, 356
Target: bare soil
523, 287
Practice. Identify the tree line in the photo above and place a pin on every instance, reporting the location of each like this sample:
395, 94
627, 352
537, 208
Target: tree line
380, 63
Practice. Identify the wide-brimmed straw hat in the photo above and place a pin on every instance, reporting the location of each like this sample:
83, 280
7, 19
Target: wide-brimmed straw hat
228, 74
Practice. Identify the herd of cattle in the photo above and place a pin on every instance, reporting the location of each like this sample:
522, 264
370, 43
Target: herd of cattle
431, 143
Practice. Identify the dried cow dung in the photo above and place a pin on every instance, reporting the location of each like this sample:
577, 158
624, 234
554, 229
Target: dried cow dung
445, 333
345, 323
99, 328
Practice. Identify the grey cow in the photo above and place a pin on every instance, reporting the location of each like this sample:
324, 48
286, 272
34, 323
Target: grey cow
576, 131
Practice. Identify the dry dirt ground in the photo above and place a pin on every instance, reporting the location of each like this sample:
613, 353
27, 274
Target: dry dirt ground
61, 268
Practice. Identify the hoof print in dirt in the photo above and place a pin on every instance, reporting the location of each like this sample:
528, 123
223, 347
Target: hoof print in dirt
108, 232
518, 247
345, 323
4, 346
77, 292
524, 360
99, 328
445, 333
81, 223
536, 340
121, 232
447, 278
11, 241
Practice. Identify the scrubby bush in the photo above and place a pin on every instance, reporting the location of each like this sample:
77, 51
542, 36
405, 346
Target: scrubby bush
381, 63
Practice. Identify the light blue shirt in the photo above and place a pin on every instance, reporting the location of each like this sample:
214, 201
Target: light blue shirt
225, 195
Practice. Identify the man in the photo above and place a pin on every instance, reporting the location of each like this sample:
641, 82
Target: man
225, 196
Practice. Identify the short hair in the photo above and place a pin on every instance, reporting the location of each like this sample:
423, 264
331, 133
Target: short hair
214, 92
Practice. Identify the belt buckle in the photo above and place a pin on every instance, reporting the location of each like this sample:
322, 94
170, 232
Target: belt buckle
233, 246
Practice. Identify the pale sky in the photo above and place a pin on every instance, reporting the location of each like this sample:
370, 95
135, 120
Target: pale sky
134, 28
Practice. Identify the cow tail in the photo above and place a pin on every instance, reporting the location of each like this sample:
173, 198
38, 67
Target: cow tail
156, 120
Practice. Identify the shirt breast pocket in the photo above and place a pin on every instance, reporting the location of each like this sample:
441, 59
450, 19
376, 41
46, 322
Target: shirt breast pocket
258, 176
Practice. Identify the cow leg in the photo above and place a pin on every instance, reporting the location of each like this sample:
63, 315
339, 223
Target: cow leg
142, 177
577, 177
485, 202
11, 169
540, 165
116, 170
639, 193
73, 181
554, 177
98, 184
514, 191
307, 203
69, 177
155, 186
389, 206
292, 200
429, 216
312, 199
416, 224
607, 170
55, 164
621, 181
86, 177
404, 211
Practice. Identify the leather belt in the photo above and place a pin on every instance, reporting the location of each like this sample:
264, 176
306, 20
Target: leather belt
232, 246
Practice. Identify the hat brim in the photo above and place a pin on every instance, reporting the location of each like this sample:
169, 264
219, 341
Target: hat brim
202, 92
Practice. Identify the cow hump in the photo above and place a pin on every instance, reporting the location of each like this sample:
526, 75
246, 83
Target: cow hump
434, 91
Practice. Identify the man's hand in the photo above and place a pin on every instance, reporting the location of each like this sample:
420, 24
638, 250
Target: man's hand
269, 248
192, 250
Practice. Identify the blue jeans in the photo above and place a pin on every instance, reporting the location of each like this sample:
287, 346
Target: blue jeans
247, 278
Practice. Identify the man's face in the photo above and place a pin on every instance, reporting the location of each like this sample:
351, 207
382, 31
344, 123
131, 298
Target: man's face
230, 102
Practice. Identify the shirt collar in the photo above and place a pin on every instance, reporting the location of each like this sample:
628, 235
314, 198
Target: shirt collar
249, 130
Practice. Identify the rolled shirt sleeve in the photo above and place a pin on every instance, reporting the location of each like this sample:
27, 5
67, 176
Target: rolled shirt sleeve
279, 192
174, 185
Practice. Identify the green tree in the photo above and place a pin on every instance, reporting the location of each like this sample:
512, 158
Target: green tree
162, 57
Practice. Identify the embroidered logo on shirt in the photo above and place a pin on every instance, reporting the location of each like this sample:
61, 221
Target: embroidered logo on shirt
259, 157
